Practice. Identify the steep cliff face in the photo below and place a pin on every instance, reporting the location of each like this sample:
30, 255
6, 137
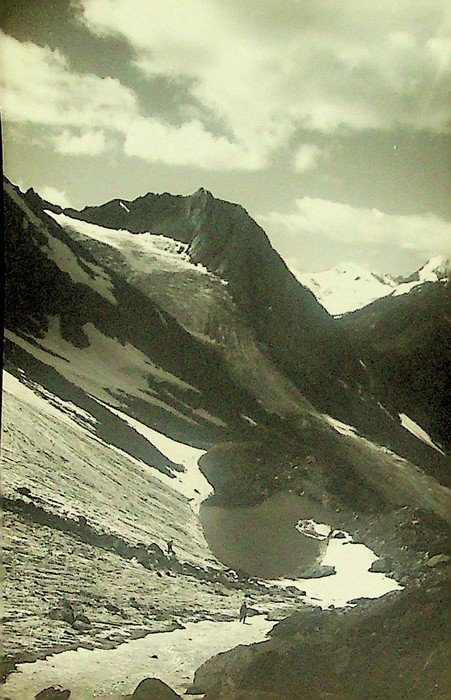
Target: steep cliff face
300, 334
315, 352
405, 341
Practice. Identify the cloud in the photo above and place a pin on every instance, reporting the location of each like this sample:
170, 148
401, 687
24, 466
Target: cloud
266, 69
426, 234
39, 87
307, 157
50, 194
81, 110
189, 144
90, 143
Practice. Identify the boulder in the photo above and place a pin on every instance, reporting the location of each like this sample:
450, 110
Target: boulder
55, 692
79, 626
319, 572
63, 614
381, 566
83, 618
295, 591
152, 689
437, 560
339, 535
251, 612
24, 491
194, 690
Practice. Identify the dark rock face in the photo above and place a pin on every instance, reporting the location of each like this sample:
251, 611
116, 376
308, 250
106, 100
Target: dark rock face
405, 342
301, 336
53, 693
153, 689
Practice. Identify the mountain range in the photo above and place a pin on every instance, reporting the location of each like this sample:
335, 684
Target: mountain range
348, 287
171, 320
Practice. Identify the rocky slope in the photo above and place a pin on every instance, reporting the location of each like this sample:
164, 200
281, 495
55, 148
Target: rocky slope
261, 298
404, 341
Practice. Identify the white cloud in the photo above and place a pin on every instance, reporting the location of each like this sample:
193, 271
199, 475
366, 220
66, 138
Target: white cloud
307, 157
38, 87
189, 144
349, 225
90, 143
51, 194
267, 68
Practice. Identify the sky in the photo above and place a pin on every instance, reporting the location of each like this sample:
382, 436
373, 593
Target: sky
328, 120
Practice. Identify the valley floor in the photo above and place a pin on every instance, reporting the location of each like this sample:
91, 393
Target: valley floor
93, 600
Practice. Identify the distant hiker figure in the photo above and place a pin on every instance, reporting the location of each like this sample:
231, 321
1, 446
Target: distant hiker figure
171, 547
243, 612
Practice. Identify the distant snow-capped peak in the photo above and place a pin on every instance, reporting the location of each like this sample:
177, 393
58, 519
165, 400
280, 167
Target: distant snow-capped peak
348, 287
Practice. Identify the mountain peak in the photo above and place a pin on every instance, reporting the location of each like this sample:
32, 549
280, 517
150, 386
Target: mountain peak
202, 192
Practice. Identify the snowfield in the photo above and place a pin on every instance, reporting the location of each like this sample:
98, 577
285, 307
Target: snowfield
346, 287
191, 483
106, 368
142, 252
349, 287
352, 579
110, 674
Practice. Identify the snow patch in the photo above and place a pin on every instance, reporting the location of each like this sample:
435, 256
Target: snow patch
419, 433
342, 428
106, 367
124, 206
113, 673
317, 531
191, 483
352, 578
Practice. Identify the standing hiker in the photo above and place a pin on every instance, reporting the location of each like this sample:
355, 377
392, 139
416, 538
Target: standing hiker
243, 612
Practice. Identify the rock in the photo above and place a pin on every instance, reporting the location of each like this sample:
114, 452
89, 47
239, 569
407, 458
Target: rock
381, 566
319, 572
112, 608
83, 618
339, 535
153, 689
437, 560
63, 614
55, 692
24, 491
194, 690
251, 612
79, 626
295, 591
